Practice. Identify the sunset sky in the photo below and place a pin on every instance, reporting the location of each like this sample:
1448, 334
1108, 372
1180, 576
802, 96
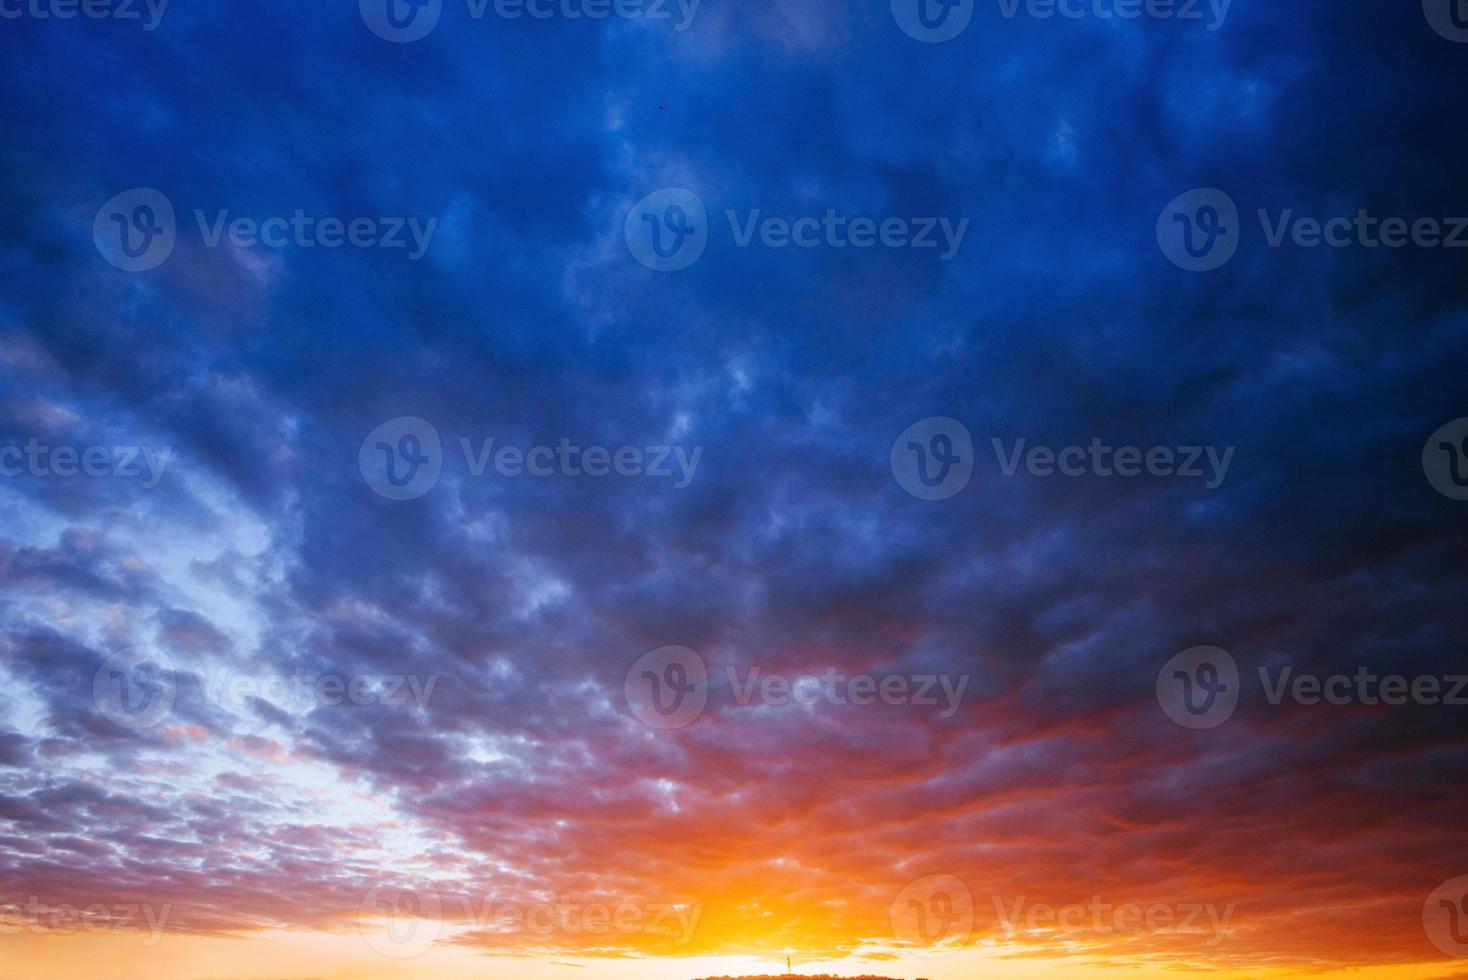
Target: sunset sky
313, 682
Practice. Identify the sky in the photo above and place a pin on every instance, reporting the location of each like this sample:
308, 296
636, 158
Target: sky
641, 489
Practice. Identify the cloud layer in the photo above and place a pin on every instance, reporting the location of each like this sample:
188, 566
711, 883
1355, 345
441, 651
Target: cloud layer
263, 566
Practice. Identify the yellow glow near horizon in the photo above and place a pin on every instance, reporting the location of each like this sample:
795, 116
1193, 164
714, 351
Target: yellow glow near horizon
282, 955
